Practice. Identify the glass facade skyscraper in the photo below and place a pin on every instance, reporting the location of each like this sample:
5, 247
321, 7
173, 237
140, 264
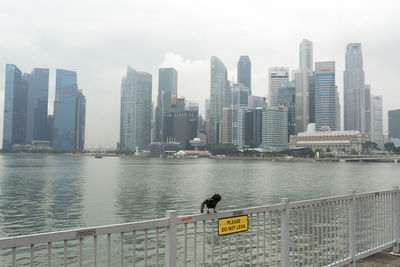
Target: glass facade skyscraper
377, 120
287, 99
220, 97
135, 127
274, 128
354, 89
244, 72
15, 107
325, 95
240, 96
394, 123
276, 77
38, 91
69, 107
167, 98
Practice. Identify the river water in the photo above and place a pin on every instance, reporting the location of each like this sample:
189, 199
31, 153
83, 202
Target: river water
41, 193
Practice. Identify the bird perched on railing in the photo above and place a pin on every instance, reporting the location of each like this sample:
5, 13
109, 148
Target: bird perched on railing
210, 203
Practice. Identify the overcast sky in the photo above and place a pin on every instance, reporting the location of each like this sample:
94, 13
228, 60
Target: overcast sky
99, 39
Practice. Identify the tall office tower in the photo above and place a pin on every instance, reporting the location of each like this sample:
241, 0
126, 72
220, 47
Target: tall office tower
377, 120
219, 96
207, 108
276, 77
50, 125
167, 97
38, 91
80, 120
354, 89
302, 84
257, 101
274, 128
337, 109
191, 106
180, 127
240, 96
311, 99
69, 113
244, 72
253, 127
15, 106
226, 126
367, 92
287, 99
135, 111
394, 124
325, 95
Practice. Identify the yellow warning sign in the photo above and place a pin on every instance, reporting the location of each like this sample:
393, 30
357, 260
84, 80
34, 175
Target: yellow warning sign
233, 225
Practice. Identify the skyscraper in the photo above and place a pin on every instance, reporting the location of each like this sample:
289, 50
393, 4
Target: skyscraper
253, 129
38, 91
325, 95
167, 97
240, 95
354, 89
244, 72
287, 99
274, 128
377, 120
135, 111
181, 127
219, 96
276, 77
338, 127
15, 106
367, 93
69, 113
302, 84
226, 126
394, 124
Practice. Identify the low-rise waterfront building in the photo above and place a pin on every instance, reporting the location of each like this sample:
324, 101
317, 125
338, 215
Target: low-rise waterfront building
329, 141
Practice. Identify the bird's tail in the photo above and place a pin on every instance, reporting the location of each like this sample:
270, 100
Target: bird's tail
202, 206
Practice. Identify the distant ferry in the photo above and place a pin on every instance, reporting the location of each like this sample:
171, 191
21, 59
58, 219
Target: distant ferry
98, 156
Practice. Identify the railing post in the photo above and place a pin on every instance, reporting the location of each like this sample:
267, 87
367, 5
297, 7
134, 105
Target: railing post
352, 229
395, 220
285, 233
170, 239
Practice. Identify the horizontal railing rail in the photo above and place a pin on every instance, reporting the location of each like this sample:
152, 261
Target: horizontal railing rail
332, 231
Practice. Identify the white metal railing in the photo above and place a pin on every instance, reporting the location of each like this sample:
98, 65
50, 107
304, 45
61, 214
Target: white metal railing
333, 231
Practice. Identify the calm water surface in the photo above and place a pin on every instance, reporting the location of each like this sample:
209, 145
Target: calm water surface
40, 193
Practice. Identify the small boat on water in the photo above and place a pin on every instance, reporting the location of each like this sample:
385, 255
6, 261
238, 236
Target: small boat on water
98, 156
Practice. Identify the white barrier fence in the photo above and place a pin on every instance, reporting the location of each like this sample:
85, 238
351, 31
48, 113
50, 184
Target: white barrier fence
333, 231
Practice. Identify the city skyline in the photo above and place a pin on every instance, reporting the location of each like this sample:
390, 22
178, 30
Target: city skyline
99, 72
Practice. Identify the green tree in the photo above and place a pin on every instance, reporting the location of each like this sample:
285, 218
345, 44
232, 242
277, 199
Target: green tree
389, 146
223, 149
368, 146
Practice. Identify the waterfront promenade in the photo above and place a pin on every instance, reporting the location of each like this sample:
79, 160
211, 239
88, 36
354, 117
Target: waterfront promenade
333, 231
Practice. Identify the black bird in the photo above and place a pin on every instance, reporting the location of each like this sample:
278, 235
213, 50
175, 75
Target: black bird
210, 203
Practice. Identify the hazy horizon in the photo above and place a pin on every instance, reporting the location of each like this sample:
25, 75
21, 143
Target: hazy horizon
99, 39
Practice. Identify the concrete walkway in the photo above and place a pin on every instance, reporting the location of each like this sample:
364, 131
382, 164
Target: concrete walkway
382, 259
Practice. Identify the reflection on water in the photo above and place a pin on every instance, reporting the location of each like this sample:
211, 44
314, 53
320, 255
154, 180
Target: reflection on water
40, 193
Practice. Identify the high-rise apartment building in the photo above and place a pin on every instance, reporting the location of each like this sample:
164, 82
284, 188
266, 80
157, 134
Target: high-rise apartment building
167, 98
276, 77
302, 84
274, 128
244, 72
325, 95
240, 95
69, 113
15, 107
220, 97
377, 120
38, 91
354, 89
136, 89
